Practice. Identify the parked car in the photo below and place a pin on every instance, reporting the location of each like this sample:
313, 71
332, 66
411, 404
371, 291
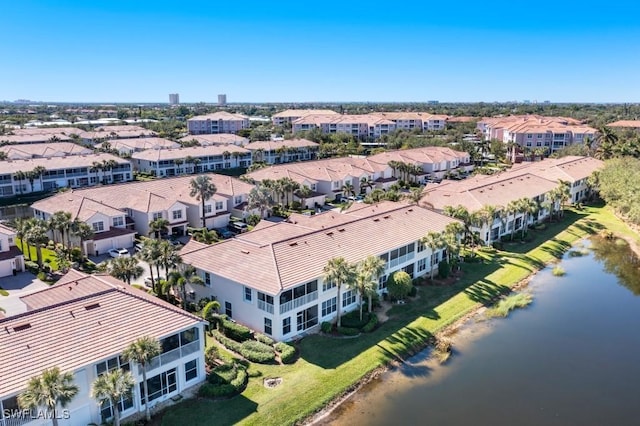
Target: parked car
138, 247
238, 227
119, 252
224, 233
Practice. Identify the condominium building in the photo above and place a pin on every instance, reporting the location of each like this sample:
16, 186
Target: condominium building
218, 122
134, 205
41, 135
216, 139
625, 124
288, 116
73, 171
43, 150
271, 279
174, 98
284, 151
416, 120
222, 100
195, 159
128, 146
100, 134
82, 325
366, 126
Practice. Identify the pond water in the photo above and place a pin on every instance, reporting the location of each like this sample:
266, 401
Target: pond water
571, 358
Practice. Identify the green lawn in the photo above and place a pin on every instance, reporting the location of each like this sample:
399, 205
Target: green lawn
329, 367
48, 256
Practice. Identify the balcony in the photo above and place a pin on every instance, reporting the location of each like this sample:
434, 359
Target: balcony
264, 306
300, 301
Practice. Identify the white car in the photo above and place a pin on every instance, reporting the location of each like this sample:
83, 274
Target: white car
119, 252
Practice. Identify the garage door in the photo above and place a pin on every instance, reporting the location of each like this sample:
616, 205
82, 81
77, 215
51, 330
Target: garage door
6, 268
125, 241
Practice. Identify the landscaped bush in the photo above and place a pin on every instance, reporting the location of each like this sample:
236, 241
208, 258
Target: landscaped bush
224, 381
31, 266
3, 292
210, 356
264, 339
413, 292
373, 322
226, 342
42, 276
253, 219
326, 327
257, 352
235, 331
443, 269
399, 285
498, 245
348, 331
352, 319
287, 352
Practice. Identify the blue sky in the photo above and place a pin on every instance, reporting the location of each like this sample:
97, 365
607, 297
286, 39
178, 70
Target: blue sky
139, 51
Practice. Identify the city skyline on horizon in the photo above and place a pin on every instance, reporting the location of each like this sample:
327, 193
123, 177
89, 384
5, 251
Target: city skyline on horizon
139, 52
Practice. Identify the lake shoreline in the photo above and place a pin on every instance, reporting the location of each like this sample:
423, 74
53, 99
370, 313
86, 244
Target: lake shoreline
455, 325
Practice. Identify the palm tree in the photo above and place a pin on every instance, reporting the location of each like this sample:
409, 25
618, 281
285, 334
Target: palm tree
142, 351
348, 189
435, 241
607, 140
185, 275
451, 239
149, 253
203, 189
487, 216
21, 226
83, 231
564, 194
19, 176
37, 235
158, 226
60, 221
365, 182
168, 256
512, 209
50, 389
415, 195
338, 271
368, 275
260, 198
124, 268
178, 162
527, 207
112, 387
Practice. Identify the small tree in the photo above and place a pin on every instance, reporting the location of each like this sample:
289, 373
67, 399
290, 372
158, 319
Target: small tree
48, 390
399, 285
112, 387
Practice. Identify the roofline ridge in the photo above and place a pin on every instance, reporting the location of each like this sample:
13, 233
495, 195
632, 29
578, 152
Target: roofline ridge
275, 264
156, 301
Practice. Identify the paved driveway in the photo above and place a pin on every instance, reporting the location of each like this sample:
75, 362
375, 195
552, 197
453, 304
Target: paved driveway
23, 283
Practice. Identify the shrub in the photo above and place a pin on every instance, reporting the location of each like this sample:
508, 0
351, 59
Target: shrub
257, 352
399, 285
352, 319
42, 276
413, 292
3, 292
498, 245
287, 352
236, 331
210, 356
443, 269
31, 266
373, 322
264, 339
209, 390
226, 342
326, 327
253, 219
296, 205
203, 302
348, 331
509, 303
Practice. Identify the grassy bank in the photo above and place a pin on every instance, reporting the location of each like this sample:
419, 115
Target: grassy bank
329, 367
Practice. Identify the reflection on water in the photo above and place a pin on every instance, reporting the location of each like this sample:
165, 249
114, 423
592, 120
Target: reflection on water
570, 358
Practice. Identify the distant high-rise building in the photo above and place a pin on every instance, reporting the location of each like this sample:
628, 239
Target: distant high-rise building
222, 100
174, 98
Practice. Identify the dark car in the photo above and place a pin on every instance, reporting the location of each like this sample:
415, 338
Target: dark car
238, 227
224, 233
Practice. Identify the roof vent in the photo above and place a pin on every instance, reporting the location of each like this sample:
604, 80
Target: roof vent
92, 306
341, 230
293, 244
22, 327
377, 219
329, 233
386, 216
244, 251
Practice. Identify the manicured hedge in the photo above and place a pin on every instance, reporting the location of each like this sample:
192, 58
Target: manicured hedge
235, 331
348, 331
373, 322
287, 352
257, 352
326, 327
264, 339
210, 356
224, 381
228, 343
352, 319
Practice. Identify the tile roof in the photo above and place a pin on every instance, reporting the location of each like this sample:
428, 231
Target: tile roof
44, 150
291, 113
149, 196
217, 139
625, 123
193, 151
72, 328
112, 232
569, 168
4, 229
424, 155
287, 143
220, 115
70, 161
140, 143
287, 254
12, 253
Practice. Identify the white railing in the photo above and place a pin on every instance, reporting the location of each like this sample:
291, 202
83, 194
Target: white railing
267, 307
296, 303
